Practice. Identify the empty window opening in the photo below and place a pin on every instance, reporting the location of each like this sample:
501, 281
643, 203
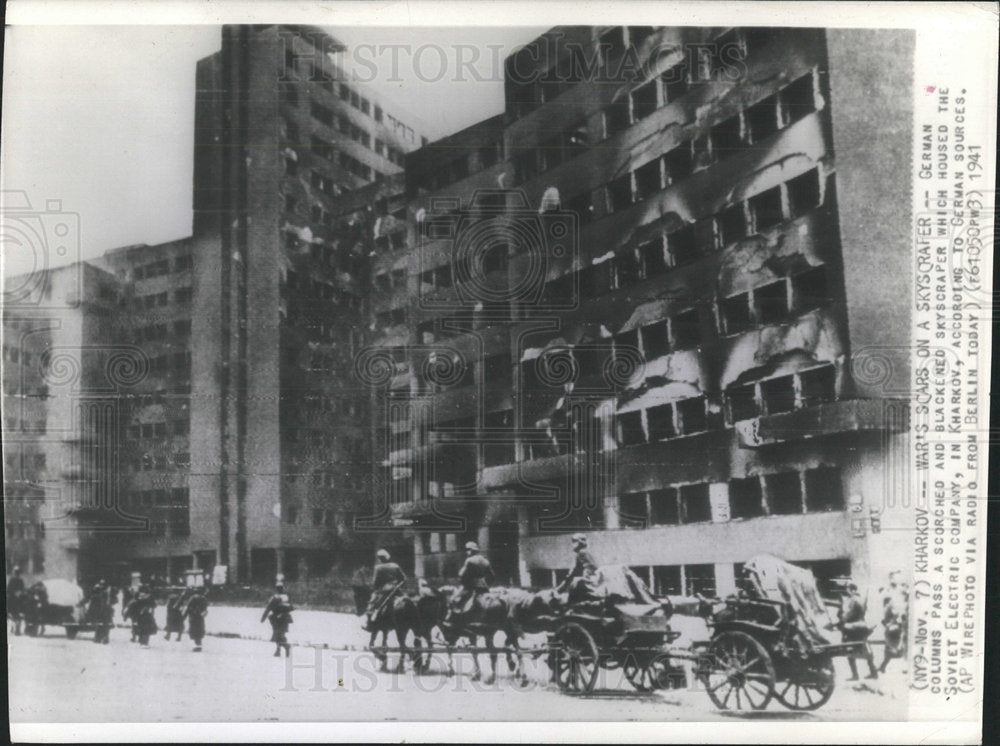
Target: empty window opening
771, 301
663, 507
742, 402
654, 260
762, 119
679, 163
686, 331
633, 509
667, 580
798, 99
630, 429
648, 179
727, 138
627, 267
695, 504
699, 579
818, 385
620, 193
655, 340
682, 245
746, 498
675, 82
765, 208
784, 493
810, 290
824, 489
803, 192
778, 394
660, 420
644, 101
735, 312
732, 223
692, 415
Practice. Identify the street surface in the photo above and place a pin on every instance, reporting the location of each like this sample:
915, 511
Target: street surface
53, 679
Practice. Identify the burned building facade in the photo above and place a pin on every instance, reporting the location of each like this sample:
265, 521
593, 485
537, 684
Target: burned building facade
651, 303
657, 300
242, 440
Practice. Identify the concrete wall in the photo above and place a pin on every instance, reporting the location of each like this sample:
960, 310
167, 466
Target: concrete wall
871, 111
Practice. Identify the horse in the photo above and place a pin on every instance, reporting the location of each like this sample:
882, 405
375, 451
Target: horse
399, 614
16, 604
493, 611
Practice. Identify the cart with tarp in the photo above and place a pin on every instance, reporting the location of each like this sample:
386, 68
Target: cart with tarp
621, 625
771, 640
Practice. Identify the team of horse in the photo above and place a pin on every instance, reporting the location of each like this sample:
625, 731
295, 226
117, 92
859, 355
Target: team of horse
512, 612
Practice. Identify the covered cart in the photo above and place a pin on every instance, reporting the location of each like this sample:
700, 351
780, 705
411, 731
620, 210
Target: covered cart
772, 639
53, 602
623, 626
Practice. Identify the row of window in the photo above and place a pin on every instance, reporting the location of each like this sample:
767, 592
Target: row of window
14, 423
673, 419
741, 131
161, 462
702, 63
145, 302
181, 263
663, 252
176, 497
486, 156
169, 510
23, 529
36, 461
318, 516
345, 126
784, 493
13, 354
156, 332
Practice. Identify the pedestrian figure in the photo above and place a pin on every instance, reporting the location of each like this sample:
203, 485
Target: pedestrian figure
144, 607
895, 618
16, 598
100, 612
279, 612
387, 577
362, 591
195, 612
130, 612
175, 614
851, 621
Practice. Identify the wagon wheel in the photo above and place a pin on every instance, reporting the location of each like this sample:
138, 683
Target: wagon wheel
576, 658
809, 690
638, 674
71, 632
647, 676
738, 672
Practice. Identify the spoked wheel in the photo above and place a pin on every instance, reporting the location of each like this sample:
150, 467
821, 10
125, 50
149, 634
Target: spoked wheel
637, 673
738, 672
575, 658
648, 675
808, 690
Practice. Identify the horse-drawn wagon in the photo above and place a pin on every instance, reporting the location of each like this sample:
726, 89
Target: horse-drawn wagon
771, 640
623, 627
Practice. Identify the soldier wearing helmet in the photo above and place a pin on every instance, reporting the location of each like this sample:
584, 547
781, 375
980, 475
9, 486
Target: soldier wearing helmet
387, 576
579, 584
476, 576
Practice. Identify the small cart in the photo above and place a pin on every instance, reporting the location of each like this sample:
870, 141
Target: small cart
771, 640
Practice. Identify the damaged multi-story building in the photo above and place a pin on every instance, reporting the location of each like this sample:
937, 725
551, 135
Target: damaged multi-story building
657, 301
240, 440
